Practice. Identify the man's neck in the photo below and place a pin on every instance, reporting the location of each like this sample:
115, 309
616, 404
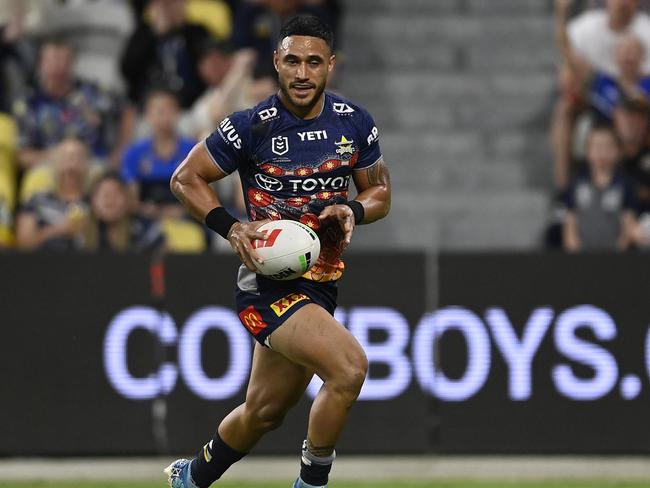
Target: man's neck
306, 113
618, 24
56, 89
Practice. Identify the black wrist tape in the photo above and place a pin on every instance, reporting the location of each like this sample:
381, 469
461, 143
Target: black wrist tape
358, 211
220, 221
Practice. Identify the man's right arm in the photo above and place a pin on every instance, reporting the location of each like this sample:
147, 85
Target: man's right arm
190, 183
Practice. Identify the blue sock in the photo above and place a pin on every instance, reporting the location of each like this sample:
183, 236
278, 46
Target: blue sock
213, 461
315, 470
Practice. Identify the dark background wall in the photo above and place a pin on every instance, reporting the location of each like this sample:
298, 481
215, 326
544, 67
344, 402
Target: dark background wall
523, 353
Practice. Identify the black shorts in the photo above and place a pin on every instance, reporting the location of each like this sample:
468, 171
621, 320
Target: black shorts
264, 305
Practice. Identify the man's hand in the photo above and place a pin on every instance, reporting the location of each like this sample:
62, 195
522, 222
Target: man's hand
241, 236
345, 218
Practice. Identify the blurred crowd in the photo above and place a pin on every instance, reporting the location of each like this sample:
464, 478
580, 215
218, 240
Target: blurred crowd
101, 100
600, 129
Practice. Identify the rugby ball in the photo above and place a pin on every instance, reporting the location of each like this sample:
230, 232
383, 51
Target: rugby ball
289, 252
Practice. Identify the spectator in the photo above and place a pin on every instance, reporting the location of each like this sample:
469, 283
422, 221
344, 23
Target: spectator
164, 52
600, 201
61, 106
593, 36
148, 164
228, 78
111, 226
53, 220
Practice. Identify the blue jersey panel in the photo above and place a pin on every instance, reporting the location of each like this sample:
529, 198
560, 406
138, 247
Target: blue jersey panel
293, 168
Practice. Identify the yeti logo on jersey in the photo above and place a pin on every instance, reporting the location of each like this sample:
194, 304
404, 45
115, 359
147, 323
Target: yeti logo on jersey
268, 182
374, 135
342, 108
313, 135
344, 146
267, 113
280, 145
229, 134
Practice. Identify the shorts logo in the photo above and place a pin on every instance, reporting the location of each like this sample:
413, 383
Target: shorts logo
268, 113
280, 145
342, 108
284, 304
257, 243
252, 320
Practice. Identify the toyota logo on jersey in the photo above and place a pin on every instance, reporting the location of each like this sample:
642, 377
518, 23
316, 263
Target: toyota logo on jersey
268, 182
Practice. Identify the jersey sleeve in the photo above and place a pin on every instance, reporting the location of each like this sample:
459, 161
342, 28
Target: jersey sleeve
227, 145
369, 150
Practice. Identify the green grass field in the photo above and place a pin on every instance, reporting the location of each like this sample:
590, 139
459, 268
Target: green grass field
396, 484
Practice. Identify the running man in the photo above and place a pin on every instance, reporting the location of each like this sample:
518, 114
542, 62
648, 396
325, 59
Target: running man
296, 152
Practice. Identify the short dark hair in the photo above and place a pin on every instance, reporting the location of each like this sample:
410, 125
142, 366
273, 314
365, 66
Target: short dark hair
308, 25
602, 126
163, 90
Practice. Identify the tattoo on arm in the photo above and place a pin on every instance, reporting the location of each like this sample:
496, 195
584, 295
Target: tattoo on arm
378, 174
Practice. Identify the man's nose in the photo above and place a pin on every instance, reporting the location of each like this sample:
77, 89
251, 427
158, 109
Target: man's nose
302, 71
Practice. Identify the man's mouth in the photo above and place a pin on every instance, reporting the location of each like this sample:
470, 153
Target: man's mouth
302, 89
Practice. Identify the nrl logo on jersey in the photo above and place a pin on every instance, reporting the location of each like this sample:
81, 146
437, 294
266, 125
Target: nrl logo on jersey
280, 145
342, 108
268, 113
344, 146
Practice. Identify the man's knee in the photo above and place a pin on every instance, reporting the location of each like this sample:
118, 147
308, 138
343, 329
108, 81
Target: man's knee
352, 374
264, 417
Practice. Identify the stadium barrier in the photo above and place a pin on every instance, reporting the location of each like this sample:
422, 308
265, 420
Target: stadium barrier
469, 353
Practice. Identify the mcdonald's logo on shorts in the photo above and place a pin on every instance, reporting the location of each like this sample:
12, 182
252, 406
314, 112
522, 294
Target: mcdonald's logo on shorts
252, 320
285, 303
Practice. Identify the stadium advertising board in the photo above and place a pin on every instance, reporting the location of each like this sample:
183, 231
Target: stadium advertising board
525, 353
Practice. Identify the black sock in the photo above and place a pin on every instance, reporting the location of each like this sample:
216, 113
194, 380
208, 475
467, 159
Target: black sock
213, 461
315, 470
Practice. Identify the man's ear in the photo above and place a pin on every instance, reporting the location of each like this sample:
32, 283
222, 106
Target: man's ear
332, 63
276, 60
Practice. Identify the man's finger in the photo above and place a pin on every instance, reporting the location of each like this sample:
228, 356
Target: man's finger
252, 253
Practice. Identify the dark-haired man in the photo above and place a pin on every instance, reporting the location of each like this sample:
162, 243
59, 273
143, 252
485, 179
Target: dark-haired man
296, 153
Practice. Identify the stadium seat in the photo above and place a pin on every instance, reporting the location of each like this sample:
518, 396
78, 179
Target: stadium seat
183, 236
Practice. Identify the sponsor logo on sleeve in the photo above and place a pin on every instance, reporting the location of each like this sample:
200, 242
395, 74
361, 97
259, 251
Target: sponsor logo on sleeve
229, 133
373, 136
252, 320
283, 304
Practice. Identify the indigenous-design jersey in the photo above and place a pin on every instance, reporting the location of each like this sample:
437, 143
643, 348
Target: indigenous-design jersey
293, 168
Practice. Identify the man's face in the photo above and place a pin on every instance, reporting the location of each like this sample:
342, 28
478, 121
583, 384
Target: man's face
161, 112
602, 150
213, 67
303, 64
109, 201
55, 64
630, 56
72, 159
622, 11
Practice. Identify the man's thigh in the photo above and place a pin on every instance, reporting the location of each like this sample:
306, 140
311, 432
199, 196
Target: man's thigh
276, 381
311, 337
